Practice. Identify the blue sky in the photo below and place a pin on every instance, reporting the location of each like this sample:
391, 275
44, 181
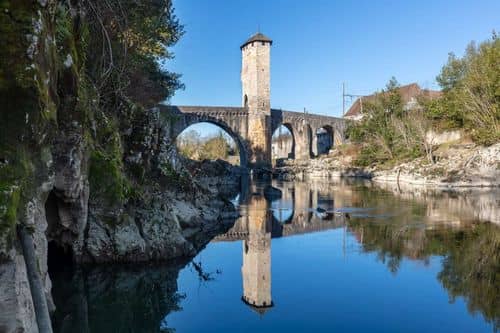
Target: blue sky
318, 44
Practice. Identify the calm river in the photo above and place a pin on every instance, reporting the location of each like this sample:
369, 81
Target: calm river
325, 257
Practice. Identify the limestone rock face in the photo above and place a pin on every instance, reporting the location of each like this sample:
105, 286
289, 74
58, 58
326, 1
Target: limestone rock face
176, 211
16, 306
98, 185
457, 166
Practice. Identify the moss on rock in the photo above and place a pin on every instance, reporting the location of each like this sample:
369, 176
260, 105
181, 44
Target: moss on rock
107, 179
28, 117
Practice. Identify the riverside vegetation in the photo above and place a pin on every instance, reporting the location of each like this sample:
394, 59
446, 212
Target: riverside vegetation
470, 101
394, 142
216, 146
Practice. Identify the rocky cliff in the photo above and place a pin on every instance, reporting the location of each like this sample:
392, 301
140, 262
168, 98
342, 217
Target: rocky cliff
88, 169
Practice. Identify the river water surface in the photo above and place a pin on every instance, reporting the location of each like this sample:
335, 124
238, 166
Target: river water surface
325, 257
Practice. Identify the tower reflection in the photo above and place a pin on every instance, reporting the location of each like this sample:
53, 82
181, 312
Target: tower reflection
256, 268
299, 209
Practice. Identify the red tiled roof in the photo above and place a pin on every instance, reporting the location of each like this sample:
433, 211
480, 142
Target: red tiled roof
407, 93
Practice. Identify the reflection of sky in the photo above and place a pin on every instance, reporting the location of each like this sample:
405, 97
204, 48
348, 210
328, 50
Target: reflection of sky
236, 200
282, 209
319, 286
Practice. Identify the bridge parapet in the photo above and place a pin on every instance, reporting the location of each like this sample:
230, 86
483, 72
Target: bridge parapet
303, 116
212, 110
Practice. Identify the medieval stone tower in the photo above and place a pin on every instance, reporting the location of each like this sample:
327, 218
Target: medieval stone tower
256, 97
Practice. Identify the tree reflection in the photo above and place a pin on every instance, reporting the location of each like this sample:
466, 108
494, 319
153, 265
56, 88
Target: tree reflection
394, 225
471, 258
116, 299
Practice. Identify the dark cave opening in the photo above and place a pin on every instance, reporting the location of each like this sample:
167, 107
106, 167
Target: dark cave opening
59, 255
59, 258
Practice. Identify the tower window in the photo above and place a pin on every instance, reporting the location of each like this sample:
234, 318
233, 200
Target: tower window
263, 43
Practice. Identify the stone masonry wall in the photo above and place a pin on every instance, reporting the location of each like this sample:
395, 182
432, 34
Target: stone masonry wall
255, 80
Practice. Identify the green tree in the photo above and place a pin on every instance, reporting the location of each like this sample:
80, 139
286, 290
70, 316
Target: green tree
377, 132
189, 144
128, 52
215, 147
471, 92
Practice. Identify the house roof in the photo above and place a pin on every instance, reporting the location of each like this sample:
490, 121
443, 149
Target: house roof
258, 37
407, 92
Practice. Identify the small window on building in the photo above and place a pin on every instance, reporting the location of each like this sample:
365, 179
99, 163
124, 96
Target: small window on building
263, 43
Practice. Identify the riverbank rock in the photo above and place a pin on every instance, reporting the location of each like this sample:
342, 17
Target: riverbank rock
320, 167
179, 205
217, 176
99, 180
455, 166
459, 165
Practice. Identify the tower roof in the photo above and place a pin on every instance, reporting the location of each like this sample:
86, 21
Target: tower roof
258, 37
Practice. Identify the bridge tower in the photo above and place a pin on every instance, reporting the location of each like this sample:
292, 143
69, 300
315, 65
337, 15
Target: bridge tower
256, 97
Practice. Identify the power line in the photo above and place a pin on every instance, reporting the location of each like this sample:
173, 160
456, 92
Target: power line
351, 96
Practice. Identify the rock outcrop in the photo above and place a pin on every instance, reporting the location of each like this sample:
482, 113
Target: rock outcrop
455, 166
96, 180
465, 165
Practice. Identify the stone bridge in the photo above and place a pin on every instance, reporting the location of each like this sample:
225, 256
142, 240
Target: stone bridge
296, 212
253, 124
235, 121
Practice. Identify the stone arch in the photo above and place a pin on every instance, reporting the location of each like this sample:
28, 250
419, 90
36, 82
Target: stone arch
283, 217
324, 140
289, 127
283, 209
192, 119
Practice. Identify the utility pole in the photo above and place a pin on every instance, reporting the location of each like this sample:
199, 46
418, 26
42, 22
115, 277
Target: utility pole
344, 95
343, 99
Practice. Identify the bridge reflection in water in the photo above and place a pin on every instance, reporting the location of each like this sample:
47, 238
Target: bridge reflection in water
302, 208
403, 228
306, 207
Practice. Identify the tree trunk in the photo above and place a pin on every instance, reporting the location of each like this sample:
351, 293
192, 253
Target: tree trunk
36, 285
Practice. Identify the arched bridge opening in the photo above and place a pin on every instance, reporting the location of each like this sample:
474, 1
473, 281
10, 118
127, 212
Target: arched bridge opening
230, 122
207, 140
282, 144
324, 140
